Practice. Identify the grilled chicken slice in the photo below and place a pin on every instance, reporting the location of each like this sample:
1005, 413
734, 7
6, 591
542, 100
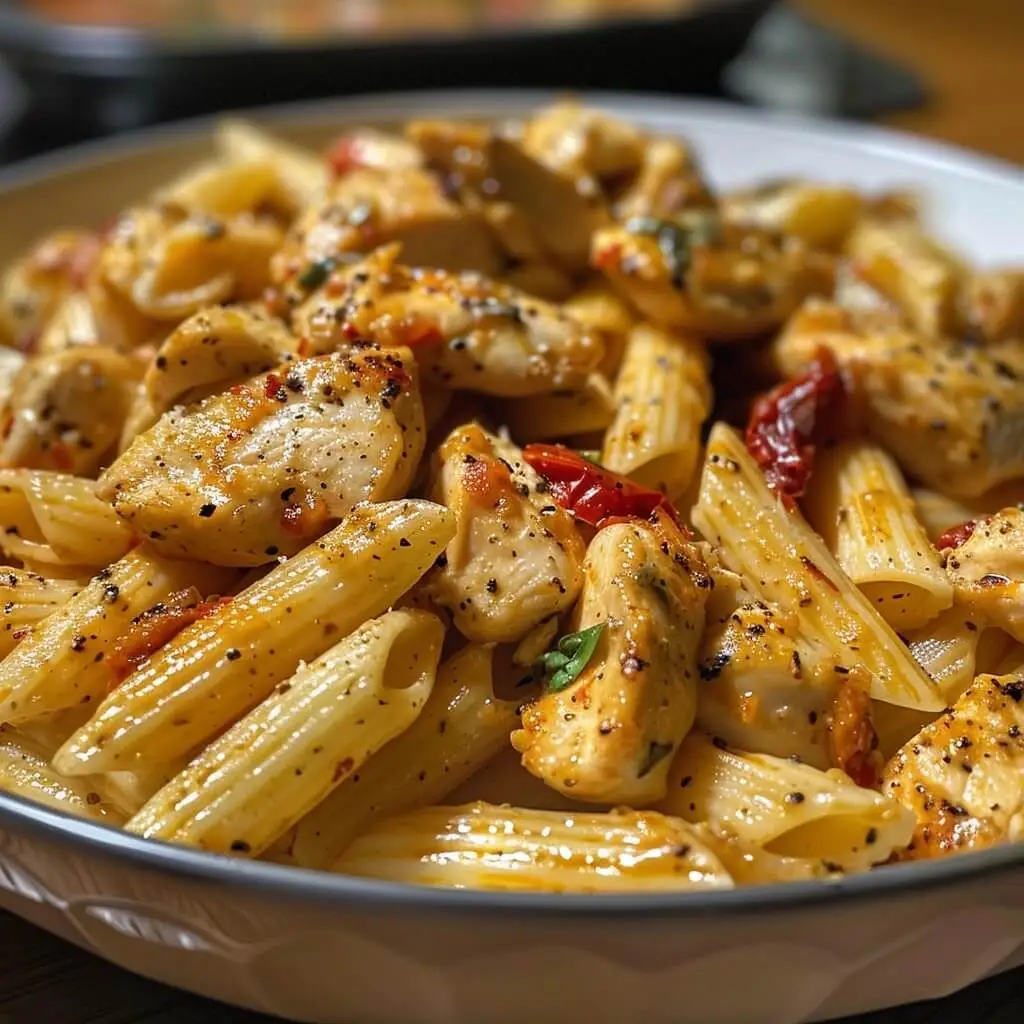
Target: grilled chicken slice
761, 690
364, 209
994, 304
34, 287
958, 808
263, 469
66, 411
468, 332
609, 735
952, 414
987, 570
517, 558
692, 272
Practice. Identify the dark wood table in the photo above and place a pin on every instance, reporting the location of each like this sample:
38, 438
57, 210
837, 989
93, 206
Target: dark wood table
969, 54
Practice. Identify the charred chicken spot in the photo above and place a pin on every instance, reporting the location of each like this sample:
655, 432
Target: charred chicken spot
714, 668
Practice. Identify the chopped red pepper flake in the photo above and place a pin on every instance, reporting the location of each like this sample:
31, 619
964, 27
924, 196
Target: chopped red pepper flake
593, 494
789, 422
957, 535
274, 389
156, 627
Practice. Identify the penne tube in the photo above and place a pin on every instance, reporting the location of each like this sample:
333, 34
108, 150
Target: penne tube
26, 598
861, 506
561, 413
217, 669
662, 396
55, 518
947, 650
67, 659
749, 864
25, 771
479, 846
250, 786
462, 727
938, 513
783, 806
222, 188
784, 563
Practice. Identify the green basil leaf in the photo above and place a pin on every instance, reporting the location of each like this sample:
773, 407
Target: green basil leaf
573, 651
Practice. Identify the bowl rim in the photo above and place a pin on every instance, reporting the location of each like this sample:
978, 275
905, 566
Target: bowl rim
286, 883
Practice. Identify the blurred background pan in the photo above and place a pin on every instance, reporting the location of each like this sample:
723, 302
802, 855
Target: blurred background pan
95, 66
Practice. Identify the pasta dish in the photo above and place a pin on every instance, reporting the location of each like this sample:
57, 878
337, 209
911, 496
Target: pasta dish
503, 507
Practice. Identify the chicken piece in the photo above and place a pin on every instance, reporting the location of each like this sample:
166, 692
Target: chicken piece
958, 808
903, 263
169, 264
763, 691
987, 570
213, 349
517, 558
820, 215
468, 333
265, 468
33, 288
994, 302
669, 182
66, 411
456, 149
696, 274
554, 169
607, 734
368, 208
951, 414
73, 324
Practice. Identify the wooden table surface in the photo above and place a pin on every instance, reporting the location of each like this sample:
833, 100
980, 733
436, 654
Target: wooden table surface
971, 58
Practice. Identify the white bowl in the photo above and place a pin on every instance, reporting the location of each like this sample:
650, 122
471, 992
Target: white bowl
332, 950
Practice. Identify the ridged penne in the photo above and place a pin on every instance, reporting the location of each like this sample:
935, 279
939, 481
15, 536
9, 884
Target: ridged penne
483, 847
785, 563
786, 807
462, 726
662, 397
66, 660
561, 413
55, 518
861, 506
253, 783
223, 188
27, 598
25, 771
217, 669
947, 649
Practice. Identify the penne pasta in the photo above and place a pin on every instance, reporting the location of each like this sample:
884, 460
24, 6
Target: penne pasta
54, 518
26, 598
785, 563
785, 807
223, 188
561, 413
860, 504
219, 668
25, 771
315, 730
461, 727
662, 396
68, 659
947, 649
483, 847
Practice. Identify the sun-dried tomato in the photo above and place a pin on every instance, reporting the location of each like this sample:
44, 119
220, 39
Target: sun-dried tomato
788, 423
956, 535
853, 742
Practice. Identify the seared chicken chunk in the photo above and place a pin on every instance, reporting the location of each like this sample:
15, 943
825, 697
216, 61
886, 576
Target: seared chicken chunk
367, 208
517, 558
695, 273
66, 411
994, 303
263, 469
987, 570
608, 735
963, 775
467, 331
951, 414
761, 690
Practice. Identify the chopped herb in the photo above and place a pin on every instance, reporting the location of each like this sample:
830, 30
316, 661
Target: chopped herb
569, 657
315, 274
676, 239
